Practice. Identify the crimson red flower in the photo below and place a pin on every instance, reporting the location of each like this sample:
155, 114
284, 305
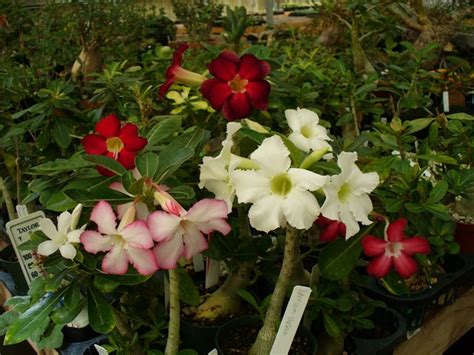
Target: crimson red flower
397, 250
175, 73
112, 140
330, 229
238, 86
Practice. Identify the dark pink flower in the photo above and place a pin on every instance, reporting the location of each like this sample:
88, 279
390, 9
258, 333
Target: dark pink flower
330, 229
238, 86
397, 249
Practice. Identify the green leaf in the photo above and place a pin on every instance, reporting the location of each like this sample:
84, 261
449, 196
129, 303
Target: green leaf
72, 295
101, 314
438, 210
54, 281
106, 162
248, 297
64, 314
104, 284
188, 292
171, 160
61, 133
461, 116
438, 192
35, 316
130, 278
90, 198
439, 158
182, 192
453, 248
417, 125
163, 130
330, 325
53, 339
147, 164
60, 202
344, 303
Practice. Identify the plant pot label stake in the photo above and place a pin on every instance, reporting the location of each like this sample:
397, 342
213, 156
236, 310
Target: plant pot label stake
213, 271
19, 232
213, 352
198, 262
291, 320
445, 101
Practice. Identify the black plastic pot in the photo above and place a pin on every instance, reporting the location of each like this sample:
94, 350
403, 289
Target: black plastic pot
231, 329
78, 335
198, 337
11, 265
385, 319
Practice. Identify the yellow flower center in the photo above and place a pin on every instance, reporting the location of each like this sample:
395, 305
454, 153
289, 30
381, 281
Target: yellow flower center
281, 184
344, 192
306, 131
238, 84
114, 145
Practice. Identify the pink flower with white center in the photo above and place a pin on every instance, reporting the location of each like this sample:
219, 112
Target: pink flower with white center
182, 233
129, 242
397, 249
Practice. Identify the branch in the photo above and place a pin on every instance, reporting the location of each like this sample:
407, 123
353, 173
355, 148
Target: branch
406, 20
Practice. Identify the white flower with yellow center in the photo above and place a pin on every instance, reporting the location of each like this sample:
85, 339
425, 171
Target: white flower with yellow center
278, 194
347, 198
308, 135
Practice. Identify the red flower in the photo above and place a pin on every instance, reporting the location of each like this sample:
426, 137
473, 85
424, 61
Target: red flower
238, 86
330, 229
112, 140
397, 249
175, 73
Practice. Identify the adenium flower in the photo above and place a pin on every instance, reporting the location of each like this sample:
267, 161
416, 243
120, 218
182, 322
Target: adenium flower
330, 229
395, 249
347, 198
238, 86
278, 193
129, 242
182, 233
63, 236
114, 141
308, 135
140, 207
177, 74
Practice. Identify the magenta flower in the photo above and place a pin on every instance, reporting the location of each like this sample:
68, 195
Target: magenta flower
238, 86
397, 249
129, 242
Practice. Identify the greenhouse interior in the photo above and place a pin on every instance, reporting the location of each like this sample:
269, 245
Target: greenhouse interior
231, 177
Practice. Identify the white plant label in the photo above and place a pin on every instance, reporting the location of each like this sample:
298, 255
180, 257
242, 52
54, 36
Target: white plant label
19, 232
198, 262
101, 350
445, 101
213, 271
291, 320
21, 210
213, 352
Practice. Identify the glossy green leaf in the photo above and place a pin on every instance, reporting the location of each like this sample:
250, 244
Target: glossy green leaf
61, 133
163, 130
101, 315
147, 164
92, 197
330, 325
72, 295
438, 192
64, 314
60, 202
170, 160
104, 285
106, 162
188, 292
130, 278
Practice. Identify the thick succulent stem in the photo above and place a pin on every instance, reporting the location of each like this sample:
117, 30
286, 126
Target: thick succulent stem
172, 343
267, 334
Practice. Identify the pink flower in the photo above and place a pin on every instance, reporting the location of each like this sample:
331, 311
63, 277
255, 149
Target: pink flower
176, 73
130, 242
396, 249
330, 229
182, 233
238, 86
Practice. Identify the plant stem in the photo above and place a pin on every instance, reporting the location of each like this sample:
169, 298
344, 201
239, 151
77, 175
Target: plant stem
172, 343
8, 199
267, 334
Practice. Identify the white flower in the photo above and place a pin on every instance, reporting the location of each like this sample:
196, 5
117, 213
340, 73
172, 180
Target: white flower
278, 193
215, 171
347, 198
63, 236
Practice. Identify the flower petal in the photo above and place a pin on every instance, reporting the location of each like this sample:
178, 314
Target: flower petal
68, 251
142, 260
225, 66
127, 158
64, 222
130, 138
346, 161
364, 183
307, 180
237, 106
47, 227
216, 92
258, 92
272, 156
405, 265
75, 215
415, 245
108, 126
300, 141
47, 247
373, 246
266, 214
301, 209
360, 206
194, 241
163, 226
115, 261
252, 68
209, 215
137, 235
166, 86
75, 236
94, 144
168, 252
380, 266
346, 217
95, 242
250, 185
395, 230
331, 232
103, 215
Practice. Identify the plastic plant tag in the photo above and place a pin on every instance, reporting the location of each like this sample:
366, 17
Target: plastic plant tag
412, 333
213, 352
21, 210
291, 319
445, 101
198, 262
213, 271
19, 232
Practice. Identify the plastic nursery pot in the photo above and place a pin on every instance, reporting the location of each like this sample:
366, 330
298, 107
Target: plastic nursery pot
198, 337
237, 336
9, 262
390, 329
78, 335
464, 235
